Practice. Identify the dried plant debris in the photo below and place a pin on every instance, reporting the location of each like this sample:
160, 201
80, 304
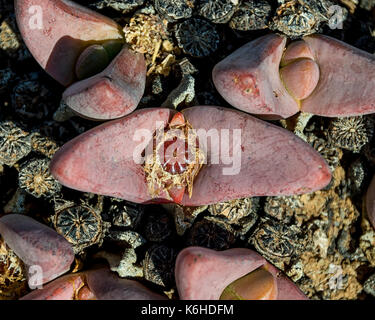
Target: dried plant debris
7, 77
158, 265
331, 153
369, 285
10, 39
357, 174
277, 242
81, 225
123, 213
297, 18
124, 6
157, 227
332, 277
125, 265
235, 210
145, 34
31, 99
167, 175
367, 241
34, 177
251, 15
173, 10
351, 133
211, 233
15, 143
127, 238
184, 217
197, 37
43, 145
283, 208
12, 274
217, 11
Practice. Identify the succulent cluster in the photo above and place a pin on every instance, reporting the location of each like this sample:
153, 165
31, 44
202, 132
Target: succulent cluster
291, 211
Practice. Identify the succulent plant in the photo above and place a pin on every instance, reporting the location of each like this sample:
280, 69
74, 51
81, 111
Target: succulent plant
270, 79
106, 82
46, 253
111, 152
204, 274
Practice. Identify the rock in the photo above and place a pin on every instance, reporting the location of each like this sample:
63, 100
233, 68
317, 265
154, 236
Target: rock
41, 248
204, 274
112, 93
110, 152
56, 32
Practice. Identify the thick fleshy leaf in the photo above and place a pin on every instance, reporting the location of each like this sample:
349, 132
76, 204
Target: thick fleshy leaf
108, 286
259, 284
69, 287
370, 202
57, 31
268, 160
249, 78
300, 77
296, 50
203, 273
101, 159
273, 161
346, 86
41, 248
114, 92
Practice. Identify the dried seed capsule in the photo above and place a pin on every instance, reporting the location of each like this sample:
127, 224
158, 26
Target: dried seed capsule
197, 37
275, 241
283, 208
233, 210
174, 10
329, 152
31, 99
251, 15
81, 225
43, 145
357, 174
211, 233
35, 178
184, 216
124, 213
299, 18
217, 11
158, 227
158, 265
369, 285
14, 143
350, 133
119, 5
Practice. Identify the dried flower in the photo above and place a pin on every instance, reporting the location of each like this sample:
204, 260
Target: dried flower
81, 225
350, 133
14, 143
251, 15
197, 37
174, 10
217, 11
158, 265
34, 177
